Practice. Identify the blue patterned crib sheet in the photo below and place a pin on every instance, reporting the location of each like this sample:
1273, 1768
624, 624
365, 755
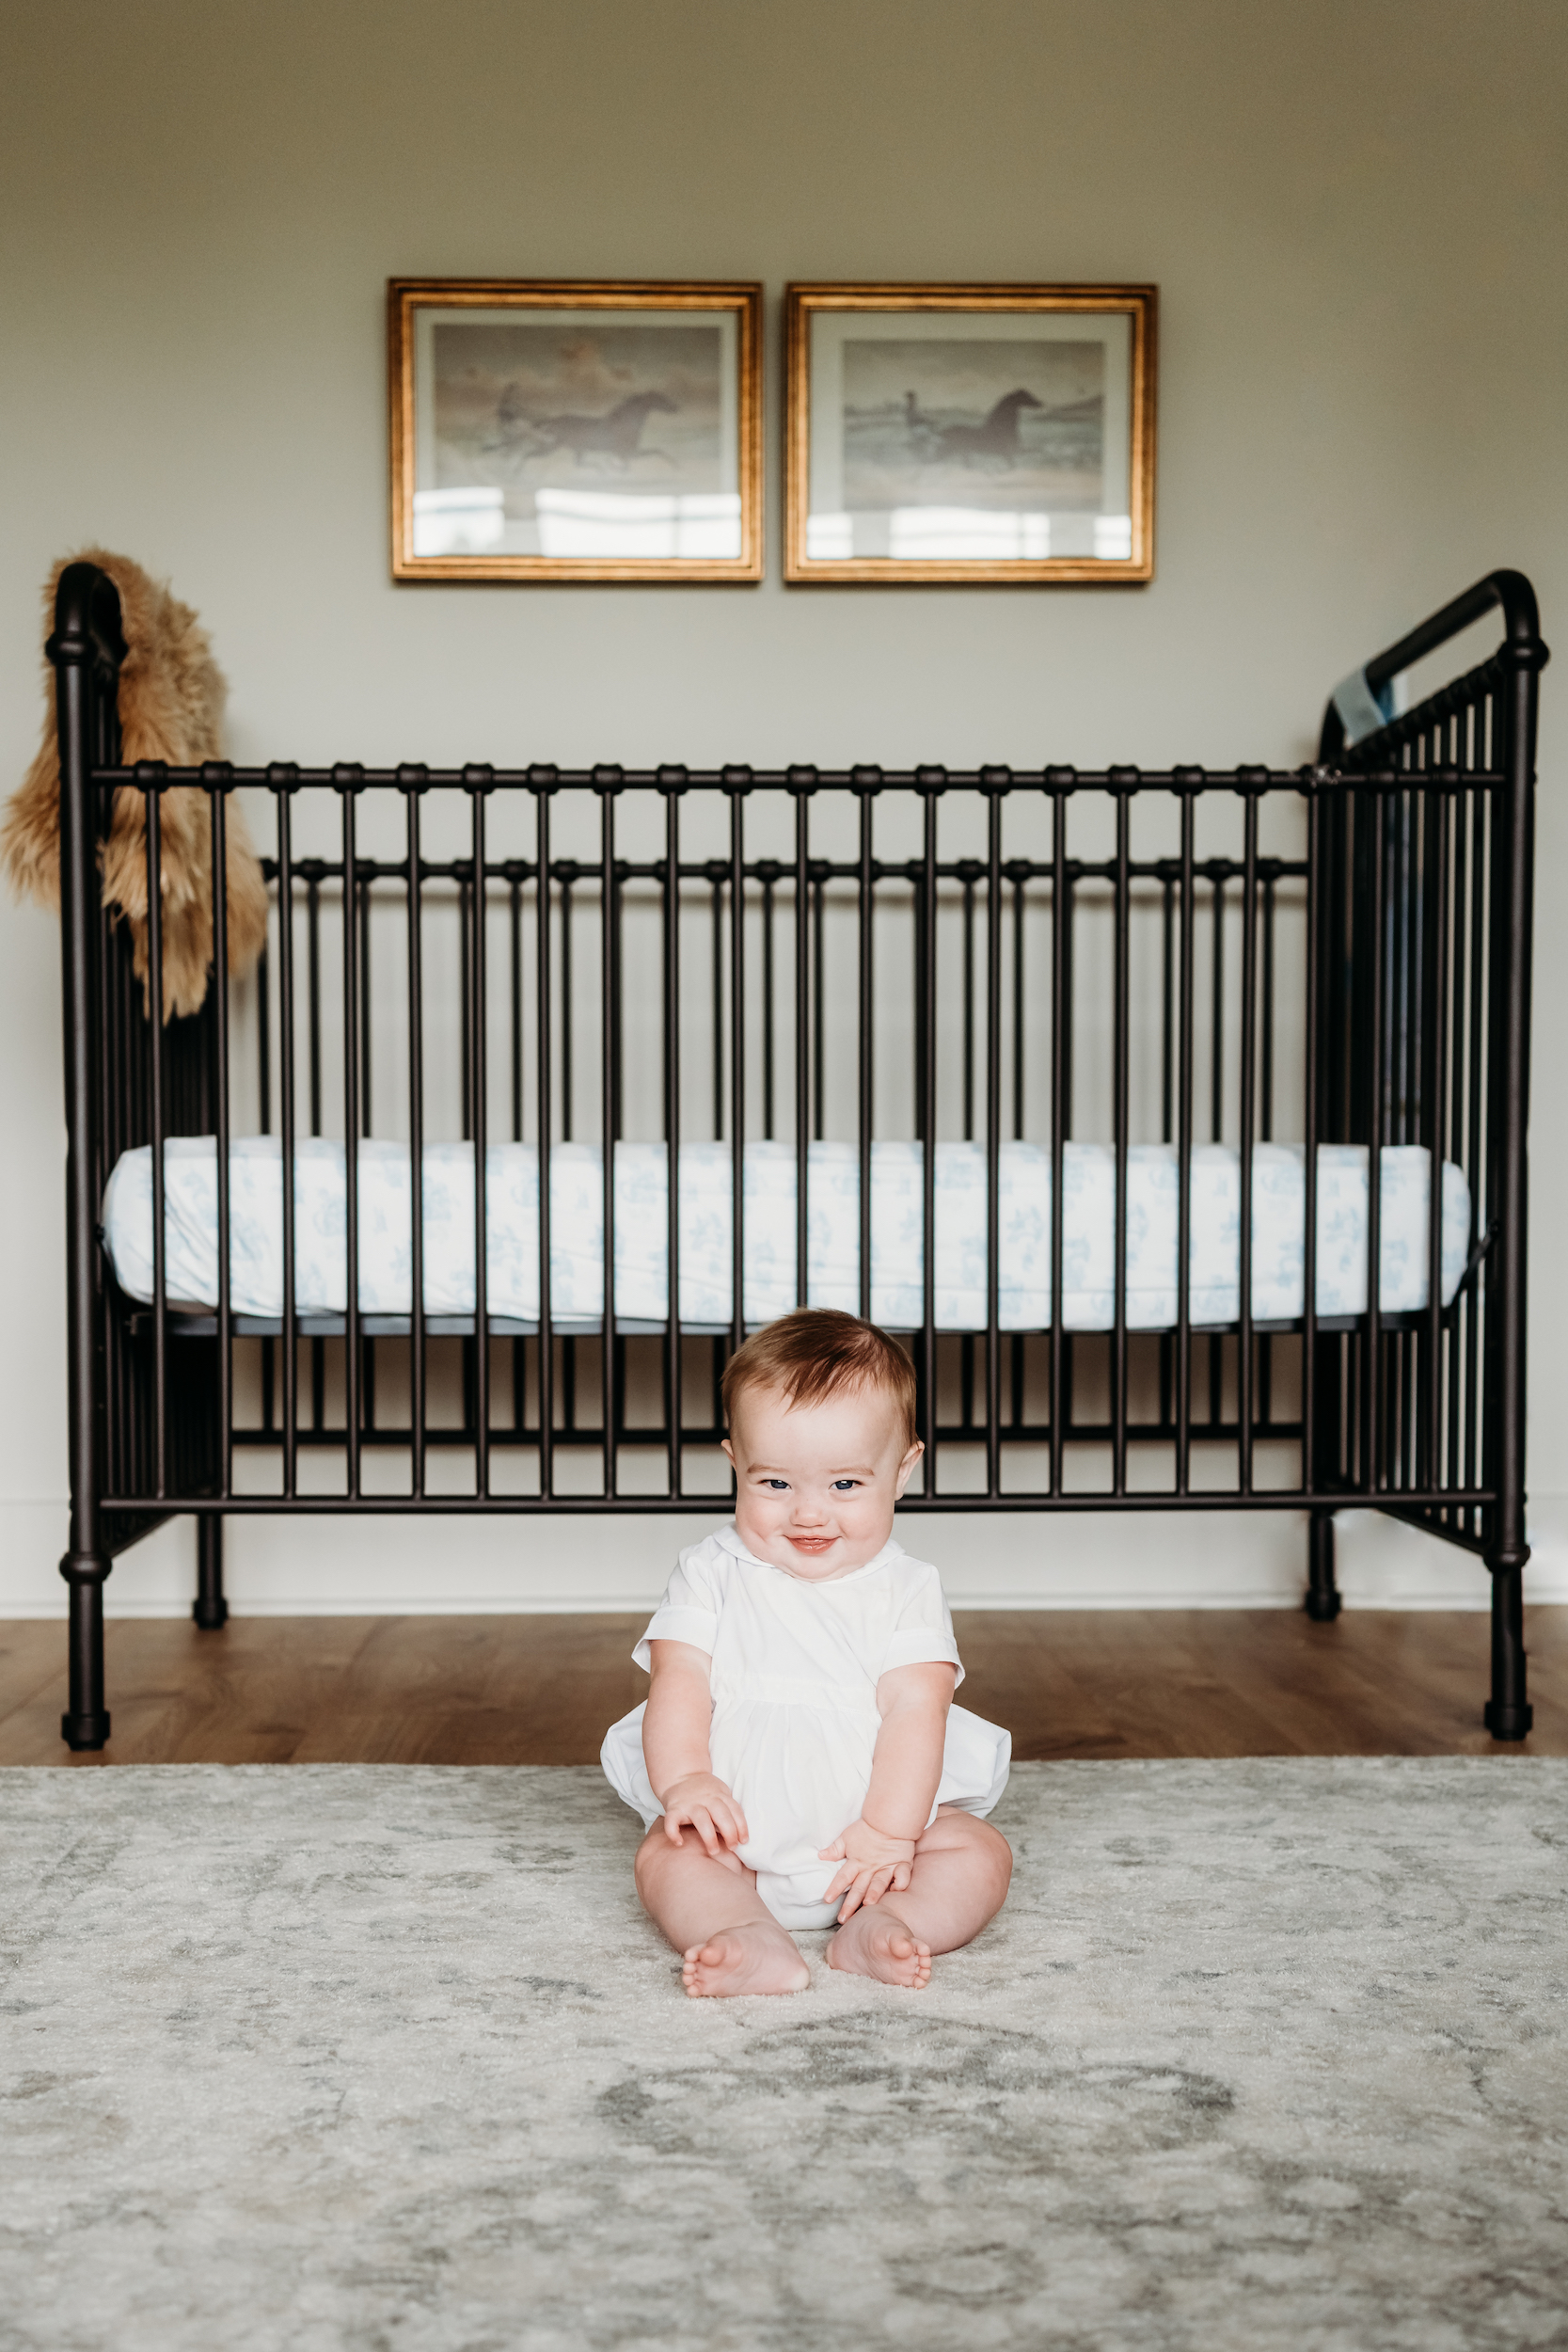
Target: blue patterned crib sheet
833, 1230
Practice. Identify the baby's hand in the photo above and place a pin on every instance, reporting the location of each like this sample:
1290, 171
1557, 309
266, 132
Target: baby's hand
873, 1864
705, 1802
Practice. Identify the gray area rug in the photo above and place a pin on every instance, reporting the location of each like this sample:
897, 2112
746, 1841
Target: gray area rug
1259, 2055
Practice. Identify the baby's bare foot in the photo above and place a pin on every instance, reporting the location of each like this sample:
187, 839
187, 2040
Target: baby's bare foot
758, 1958
875, 1943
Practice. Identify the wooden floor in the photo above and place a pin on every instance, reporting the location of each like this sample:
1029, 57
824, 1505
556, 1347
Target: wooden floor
529, 1690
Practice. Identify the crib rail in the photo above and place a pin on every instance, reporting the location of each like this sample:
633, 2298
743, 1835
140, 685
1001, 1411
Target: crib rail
1176, 957
993, 1370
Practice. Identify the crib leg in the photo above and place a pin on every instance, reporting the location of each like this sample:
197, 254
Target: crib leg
85, 1725
1508, 1714
1323, 1594
212, 1609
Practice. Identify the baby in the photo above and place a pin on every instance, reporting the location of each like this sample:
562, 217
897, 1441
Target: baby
799, 1762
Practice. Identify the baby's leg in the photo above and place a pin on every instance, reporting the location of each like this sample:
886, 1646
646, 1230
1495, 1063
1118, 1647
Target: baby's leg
710, 1911
956, 1883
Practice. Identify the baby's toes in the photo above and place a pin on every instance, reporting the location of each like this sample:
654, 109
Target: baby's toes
696, 1966
917, 1961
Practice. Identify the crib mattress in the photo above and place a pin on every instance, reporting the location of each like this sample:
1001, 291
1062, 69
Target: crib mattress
706, 1204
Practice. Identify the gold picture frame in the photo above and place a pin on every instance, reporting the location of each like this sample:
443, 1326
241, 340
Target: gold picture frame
988, 434
520, 439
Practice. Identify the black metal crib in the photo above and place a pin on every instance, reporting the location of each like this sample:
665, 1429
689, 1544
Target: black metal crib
1338, 954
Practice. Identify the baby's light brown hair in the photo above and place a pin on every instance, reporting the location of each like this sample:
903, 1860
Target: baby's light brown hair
817, 1352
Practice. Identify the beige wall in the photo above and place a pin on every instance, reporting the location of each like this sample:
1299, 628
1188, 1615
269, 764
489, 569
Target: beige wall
1356, 219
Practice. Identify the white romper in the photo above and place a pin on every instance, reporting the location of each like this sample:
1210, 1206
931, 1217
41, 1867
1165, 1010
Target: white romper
794, 1674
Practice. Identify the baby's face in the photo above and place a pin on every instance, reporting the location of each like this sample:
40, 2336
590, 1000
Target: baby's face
816, 1483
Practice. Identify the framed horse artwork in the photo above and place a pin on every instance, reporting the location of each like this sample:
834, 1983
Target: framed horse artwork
970, 433
574, 430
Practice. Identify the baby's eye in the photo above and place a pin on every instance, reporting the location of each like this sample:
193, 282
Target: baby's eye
843, 1486
780, 1486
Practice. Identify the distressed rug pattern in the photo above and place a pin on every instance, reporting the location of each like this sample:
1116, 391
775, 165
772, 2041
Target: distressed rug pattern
1259, 2055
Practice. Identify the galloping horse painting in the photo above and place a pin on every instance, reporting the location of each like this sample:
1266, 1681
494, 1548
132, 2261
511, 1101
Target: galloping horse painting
996, 437
608, 440
536, 406
1014, 424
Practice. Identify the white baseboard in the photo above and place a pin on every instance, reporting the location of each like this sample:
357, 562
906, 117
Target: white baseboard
407, 1566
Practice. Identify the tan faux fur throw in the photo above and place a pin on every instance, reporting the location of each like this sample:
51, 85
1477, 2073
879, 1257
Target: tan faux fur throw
171, 696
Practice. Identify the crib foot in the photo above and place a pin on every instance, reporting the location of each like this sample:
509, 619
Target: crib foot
1508, 1714
1323, 1602
84, 1735
85, 1725
211, 1611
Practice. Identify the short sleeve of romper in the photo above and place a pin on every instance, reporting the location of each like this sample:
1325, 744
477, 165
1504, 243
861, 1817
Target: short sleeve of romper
689, 1610
922, 1629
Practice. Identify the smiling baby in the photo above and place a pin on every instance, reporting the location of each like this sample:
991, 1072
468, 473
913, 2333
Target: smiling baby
798, 1762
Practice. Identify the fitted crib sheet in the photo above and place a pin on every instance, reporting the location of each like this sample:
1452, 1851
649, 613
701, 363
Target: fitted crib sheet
832, 1194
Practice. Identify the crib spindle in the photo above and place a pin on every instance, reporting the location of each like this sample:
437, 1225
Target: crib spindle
1189, 782
801, 783
1247, 1129
348, 779
865, 781
217, 777
1126, 784
1374, 1115
997, 783
152, 804
1322, 1596
313, 869
768, 874
413, 781
738, 782
1428, 1469
1061, 934
543, 785
1459, 938
283, 784
673, 784
478, 780
608, 783
927, 1048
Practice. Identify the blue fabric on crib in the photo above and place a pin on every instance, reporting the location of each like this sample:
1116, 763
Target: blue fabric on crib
898, 1230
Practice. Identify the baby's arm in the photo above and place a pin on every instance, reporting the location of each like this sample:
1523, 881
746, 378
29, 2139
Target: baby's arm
675, 1749
906, 1769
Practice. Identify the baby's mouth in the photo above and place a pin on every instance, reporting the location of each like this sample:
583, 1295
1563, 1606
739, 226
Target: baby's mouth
814, 1543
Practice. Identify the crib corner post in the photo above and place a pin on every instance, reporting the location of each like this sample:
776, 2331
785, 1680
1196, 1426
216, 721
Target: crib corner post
84, 649
85, 1725
1508, 1714
210, 1608
1322, 1601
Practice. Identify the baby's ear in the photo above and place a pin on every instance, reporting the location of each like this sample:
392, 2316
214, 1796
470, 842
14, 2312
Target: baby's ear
730, 1451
